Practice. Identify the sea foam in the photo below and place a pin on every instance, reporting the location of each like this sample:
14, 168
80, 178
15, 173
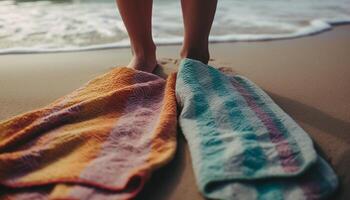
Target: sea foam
77, 25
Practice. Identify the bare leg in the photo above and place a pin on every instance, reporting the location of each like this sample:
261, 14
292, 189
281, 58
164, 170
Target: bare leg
137, 17
198, 17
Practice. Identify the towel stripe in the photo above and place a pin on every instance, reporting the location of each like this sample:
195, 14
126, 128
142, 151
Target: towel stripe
278, 132
164, 135
115, 144
205, 121
254, 157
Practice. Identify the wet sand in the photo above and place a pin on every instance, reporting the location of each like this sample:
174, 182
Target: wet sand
308, 77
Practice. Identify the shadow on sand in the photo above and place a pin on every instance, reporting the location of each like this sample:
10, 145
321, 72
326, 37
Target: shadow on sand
330, 125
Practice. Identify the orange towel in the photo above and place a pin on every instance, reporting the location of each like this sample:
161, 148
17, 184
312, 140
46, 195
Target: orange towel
102, 141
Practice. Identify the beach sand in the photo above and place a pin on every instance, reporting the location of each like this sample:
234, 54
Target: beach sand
308, 77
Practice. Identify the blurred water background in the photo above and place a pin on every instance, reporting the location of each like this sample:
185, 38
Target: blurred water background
73, 25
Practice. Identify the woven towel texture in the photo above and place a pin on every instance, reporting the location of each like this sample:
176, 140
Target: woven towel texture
243, 146
102, 141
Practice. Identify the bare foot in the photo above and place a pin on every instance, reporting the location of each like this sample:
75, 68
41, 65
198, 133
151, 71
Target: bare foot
144, 58
146, 65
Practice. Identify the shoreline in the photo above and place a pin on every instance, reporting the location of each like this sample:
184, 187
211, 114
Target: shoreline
323, 26
308, 77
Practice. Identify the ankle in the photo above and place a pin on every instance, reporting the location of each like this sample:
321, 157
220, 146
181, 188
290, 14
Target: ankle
144, 52
198, 53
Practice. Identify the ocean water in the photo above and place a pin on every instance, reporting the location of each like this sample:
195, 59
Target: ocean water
73, 25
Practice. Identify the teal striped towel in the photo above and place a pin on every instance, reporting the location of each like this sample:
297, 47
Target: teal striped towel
243, 146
